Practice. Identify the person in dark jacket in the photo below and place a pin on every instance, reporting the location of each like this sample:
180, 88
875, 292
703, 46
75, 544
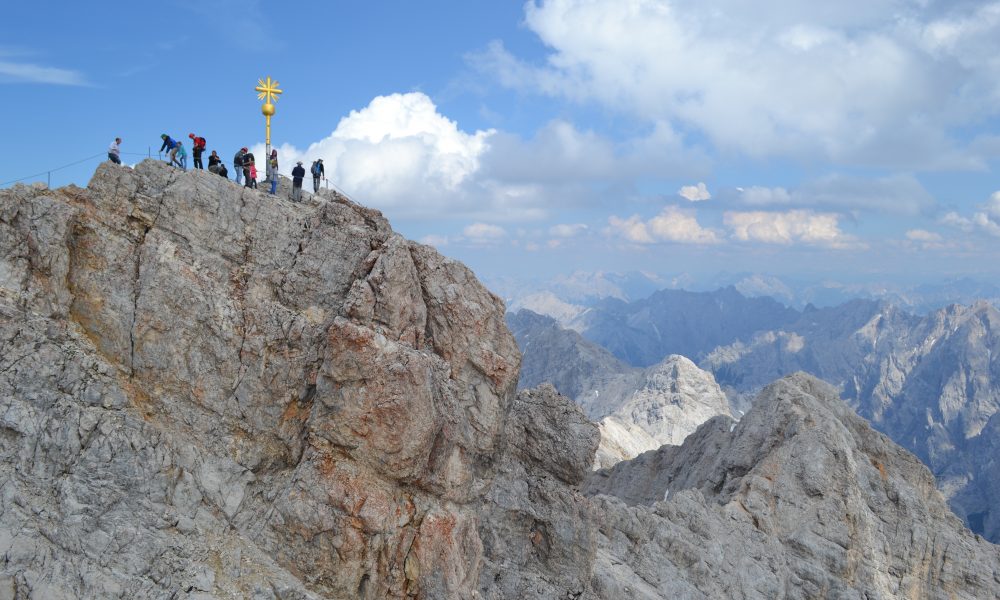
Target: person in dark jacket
317, 172
297, 174
213, 162
222, 170
250, 169
238, 164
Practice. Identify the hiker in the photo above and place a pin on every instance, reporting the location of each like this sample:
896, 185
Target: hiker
272, 168
297, 174
179, 156
168, 144
249, 165
198, 147
317, 172
222, 170
114, 153
213, 162
238, 164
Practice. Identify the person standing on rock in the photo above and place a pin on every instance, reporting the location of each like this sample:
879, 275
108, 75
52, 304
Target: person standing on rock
317, 173
250, 168
298, 173
179, 156
272, 169
213, 162
198, 146
114, 152
238, 164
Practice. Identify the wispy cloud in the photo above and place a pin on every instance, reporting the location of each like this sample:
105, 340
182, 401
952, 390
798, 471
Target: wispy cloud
20, 72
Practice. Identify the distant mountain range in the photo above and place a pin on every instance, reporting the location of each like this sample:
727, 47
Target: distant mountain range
931, 382
563, 297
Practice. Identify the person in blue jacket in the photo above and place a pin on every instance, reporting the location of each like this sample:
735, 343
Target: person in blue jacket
168, 142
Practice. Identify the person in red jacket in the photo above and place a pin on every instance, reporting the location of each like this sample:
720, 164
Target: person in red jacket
198, 144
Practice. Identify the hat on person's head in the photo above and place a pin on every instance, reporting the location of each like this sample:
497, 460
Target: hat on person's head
243, 149
191, 135
299, 163
320, 160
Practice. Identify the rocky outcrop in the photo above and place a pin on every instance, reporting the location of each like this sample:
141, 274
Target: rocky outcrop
930, 383
800, 499
210, 391
535, 525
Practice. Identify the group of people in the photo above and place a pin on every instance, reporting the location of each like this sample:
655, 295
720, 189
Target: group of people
244, 164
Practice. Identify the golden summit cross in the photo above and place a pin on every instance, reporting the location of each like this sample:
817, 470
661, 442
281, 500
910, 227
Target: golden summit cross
268, 92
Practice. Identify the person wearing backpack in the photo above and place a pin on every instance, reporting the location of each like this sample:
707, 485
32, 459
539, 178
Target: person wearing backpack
238, 164
297, 174
317, 173
198, 145
222, 170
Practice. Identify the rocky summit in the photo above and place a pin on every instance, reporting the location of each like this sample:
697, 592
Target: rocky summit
210, 392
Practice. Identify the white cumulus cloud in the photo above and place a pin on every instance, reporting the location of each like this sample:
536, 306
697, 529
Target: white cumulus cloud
879, 81
695, 193
791, 227
673, 224
400, 153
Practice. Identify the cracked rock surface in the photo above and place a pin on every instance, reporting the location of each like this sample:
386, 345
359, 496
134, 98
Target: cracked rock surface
209, 392
206, 391
800, 499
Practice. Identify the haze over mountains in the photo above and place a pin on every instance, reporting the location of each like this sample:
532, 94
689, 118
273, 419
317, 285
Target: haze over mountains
930, 382
575, 292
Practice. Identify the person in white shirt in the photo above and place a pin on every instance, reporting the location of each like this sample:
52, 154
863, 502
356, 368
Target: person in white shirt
114, 154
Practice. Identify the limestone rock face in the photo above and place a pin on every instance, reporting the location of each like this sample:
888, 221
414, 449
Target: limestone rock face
211, 392
670, 401
208, 392
535, 525
637, 409
800, 499
932, 383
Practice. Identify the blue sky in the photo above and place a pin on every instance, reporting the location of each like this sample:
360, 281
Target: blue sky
855, 140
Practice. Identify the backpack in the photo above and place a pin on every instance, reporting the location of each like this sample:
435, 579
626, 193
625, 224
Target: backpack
315, 168
199, 142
